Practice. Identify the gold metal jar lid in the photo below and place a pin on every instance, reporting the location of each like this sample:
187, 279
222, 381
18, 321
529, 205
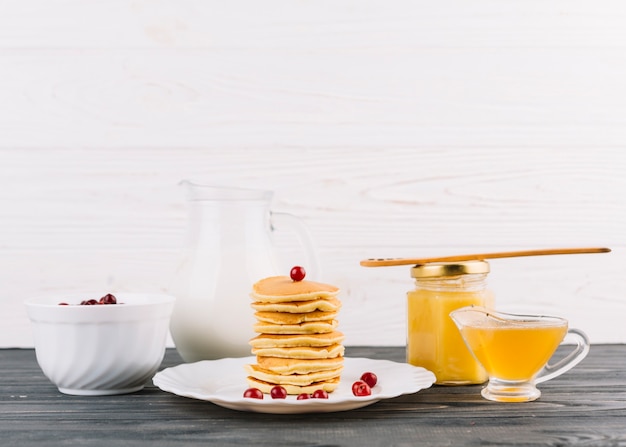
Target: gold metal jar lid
436, 269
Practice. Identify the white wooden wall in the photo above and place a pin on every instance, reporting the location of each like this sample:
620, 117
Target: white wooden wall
392, 128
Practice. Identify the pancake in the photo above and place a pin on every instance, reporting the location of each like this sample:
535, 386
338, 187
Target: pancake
301, 352
296, 307
291, 318
298, 366
296, 340
280, 289
310, 327
292, 379
327, 385
298, 346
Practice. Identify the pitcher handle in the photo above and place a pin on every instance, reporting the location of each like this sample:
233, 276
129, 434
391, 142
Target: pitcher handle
572, 359
304, 237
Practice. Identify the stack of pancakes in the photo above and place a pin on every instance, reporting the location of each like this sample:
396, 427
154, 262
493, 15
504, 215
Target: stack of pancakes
298, 346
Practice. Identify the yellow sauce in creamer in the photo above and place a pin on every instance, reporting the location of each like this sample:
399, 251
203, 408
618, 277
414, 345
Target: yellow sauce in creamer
433, 340
518, 352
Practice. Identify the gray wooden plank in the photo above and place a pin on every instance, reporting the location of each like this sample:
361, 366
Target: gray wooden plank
586, 405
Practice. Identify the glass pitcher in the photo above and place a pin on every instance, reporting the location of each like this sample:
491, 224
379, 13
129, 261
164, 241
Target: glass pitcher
228, 247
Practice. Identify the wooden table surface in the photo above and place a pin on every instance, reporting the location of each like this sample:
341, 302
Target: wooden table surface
586, 406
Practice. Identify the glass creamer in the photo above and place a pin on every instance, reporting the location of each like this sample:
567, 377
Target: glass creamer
229, 246
515, 350
433, 339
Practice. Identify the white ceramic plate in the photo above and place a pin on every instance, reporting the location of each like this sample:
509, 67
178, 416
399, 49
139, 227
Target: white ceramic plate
224, 381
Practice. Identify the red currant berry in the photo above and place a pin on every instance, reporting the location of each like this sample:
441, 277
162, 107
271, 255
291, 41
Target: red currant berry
370, 378
253, 393
108, 299
88, 302
63, 304
319, 394
297, 273
360, 388
278, 392
303, 396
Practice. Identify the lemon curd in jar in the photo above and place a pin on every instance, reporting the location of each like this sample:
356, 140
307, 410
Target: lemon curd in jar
433, 340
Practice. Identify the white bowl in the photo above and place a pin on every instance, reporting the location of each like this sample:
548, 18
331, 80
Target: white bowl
100, 349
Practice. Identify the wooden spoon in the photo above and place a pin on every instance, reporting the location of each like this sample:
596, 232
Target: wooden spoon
385, 262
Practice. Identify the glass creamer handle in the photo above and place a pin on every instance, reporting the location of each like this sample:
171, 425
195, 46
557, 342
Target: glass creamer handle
286, 220
572, 359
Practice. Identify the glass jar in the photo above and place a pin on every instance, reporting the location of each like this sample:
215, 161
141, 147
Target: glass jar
433, 340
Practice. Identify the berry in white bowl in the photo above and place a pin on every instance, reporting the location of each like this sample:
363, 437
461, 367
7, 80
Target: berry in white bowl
104, 349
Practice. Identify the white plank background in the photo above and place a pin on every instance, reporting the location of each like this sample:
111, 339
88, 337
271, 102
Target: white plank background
391, 127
